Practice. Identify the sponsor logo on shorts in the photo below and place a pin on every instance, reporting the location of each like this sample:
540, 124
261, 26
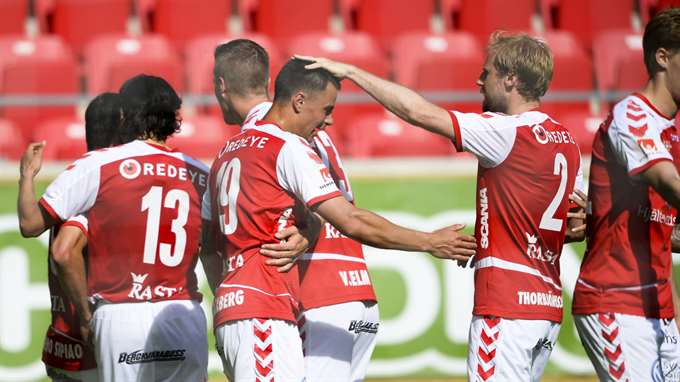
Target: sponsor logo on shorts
544, 343
663, 370
140, 356
361, 326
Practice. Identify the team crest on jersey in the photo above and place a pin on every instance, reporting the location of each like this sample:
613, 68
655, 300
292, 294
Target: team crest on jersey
130, 169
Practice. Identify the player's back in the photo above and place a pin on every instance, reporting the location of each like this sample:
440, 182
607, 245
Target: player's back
523, 186
143, 205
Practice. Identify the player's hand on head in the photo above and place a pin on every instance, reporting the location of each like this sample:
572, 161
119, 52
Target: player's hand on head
284, 254
449, 243
31, 160
338, 69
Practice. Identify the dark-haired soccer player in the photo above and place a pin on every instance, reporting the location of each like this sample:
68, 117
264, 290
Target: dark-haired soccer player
624, 306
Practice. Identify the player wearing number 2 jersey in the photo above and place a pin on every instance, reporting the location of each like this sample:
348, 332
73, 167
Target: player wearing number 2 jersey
260, 182
528, 166
143, 202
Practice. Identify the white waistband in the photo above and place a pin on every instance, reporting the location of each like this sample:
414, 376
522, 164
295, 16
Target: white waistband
510, 266
331, 256
254, 289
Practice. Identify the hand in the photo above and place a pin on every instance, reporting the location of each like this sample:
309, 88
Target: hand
448, 243
338, 69
31, 160
86, 333
285, 254
581, 200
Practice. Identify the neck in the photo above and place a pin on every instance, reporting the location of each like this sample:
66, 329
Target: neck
281, 117
156, 142
243, 105
657, 93
519, 105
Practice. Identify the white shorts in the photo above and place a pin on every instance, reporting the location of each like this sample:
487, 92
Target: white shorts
260, 350
151, 341
635, 348
509, 350
61, 375
338, 340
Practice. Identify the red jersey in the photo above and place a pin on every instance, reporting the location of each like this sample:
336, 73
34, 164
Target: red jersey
334, 271
255, 182
627, 264
64, 348
143, 204
528, 166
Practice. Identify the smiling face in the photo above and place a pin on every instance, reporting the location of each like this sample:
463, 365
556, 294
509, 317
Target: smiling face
315, 110
492, 86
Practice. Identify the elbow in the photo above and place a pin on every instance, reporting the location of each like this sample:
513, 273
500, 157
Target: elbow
29, 230
61, 254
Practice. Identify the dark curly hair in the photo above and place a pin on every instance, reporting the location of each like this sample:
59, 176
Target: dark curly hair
150, 108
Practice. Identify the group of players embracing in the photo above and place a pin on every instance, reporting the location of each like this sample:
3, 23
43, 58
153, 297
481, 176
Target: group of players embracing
275, 226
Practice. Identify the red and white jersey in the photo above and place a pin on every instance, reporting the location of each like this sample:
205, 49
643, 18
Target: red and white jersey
627, 264
143, 204
334, 270
528, 166
256, 181
64, 347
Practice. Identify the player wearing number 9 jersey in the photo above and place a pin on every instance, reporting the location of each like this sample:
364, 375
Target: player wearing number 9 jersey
143, 203
528, 166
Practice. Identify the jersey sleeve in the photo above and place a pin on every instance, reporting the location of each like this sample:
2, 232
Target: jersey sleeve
636, 141
489, 137
301, 172
74, 191
78, 221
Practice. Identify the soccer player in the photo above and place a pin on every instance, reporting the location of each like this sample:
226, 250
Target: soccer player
143, 203
623, 303
259, 183
529, 165
67, 353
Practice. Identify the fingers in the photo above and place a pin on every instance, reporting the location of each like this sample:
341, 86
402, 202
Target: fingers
277, 253
306, 58
279, 262
577, 215
285, 268
579, 228
581, 194
457, 227
461, 253
286, 232
468, 239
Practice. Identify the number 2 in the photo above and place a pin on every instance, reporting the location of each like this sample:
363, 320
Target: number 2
175, 199
548, 222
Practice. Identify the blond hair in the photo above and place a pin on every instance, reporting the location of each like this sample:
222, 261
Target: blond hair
527, 58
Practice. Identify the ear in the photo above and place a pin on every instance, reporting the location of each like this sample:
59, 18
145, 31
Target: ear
220, 87
510, 82
298, 101
663, 57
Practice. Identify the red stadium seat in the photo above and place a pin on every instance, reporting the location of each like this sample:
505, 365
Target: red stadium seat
384, 135
587, 18
283, 19
384, 19
424, 61
13, 15
582, 125
12, 143
79, 21
482, 17
111, 60
183, 20
618, 61
201, 136
356, 48
65, 138
42, 66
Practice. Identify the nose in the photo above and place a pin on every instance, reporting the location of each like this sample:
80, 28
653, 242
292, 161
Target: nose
479, 82
328, 120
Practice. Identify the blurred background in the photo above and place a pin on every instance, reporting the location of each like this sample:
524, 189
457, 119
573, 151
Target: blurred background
55, 55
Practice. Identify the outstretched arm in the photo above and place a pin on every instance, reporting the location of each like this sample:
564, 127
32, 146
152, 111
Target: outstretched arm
400, 100
67, 254
374, 230
663, 177
33, 219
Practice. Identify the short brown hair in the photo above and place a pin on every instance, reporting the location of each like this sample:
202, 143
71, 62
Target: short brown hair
663, 31
528, 58
244, 65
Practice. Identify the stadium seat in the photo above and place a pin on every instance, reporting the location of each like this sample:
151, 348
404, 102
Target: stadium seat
482, 17
451, 61
12, 143
42, 66
384, 135
384, 19
183, 20
65, 138
582, 125
202, 136
111, 60
618, 61
13, 15
587, 18
79, 21
283, 19
200, 58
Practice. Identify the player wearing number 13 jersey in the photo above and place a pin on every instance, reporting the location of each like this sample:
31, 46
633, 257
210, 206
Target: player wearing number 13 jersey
529, 165
143, 202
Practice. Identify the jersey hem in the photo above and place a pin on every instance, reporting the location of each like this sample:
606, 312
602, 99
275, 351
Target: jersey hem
255, 314
318, 303
323, 198
458, 144
76, 224
46, 205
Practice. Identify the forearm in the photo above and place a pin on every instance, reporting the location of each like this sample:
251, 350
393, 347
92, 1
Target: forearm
404, 102
212, 266
376, 231
71, 275
31, 220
